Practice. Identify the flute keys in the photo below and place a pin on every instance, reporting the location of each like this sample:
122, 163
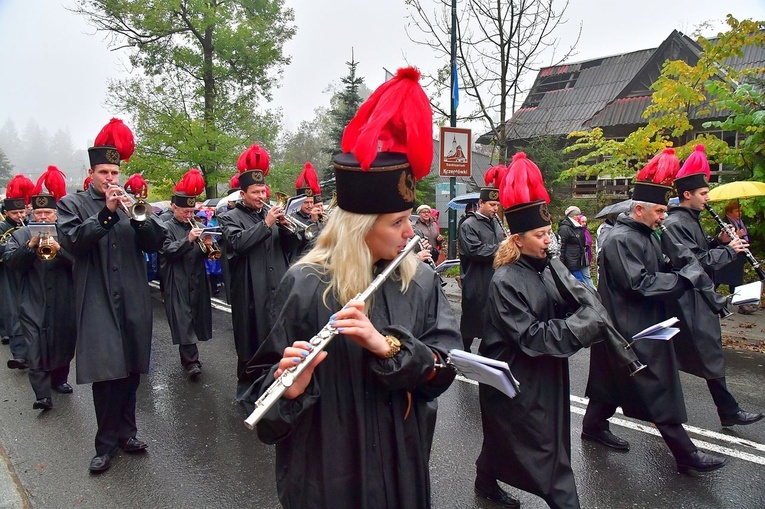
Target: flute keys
287, 378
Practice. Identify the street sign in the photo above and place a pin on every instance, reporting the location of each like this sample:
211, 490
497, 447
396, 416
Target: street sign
454, 159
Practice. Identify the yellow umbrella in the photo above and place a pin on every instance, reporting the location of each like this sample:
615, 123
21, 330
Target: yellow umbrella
737, 190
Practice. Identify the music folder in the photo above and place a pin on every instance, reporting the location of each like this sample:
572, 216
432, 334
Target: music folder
662, 331
484, 370
37, 229
747, 294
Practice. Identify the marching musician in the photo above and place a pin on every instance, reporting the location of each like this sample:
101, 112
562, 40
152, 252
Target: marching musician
698, 345
527, 439
15, 205
307, 184
186, 288
635, 282
478, 241
111, 293
257, 251
356, 428
46, 309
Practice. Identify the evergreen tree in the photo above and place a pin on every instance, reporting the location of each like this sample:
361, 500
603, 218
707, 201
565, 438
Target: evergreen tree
6, 169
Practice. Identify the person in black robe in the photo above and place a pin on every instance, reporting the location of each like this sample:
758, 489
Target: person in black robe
258, 252
698, 346
111, 293
635, 284
355, 429
186, 288
46, 310
15, 215
310, 212
479, 237
527, 439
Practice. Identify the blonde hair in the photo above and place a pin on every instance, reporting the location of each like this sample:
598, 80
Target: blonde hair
343, 256
508, 251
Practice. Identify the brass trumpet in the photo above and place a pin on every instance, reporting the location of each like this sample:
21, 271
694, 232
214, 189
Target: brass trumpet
324, 216
294, 226
45, 249
212, 251
138, 210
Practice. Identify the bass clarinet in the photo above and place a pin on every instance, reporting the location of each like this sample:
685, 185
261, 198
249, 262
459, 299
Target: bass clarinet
319, 342
732, 234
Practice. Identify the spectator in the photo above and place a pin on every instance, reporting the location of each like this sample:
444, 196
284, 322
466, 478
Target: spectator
572, 244
587, 250
429, 227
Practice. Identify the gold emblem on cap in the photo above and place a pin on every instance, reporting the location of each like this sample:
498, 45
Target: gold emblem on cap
309, 192
41, 201
545, 213
493, 195
257, 176
191, 201
112, 156
406, 186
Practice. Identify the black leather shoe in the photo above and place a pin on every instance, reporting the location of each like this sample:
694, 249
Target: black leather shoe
607, 438
194, 371
64, 388
100, 464
701, 462
741, 417
5, 340
43, 404
498, 496
17, 364
133, 445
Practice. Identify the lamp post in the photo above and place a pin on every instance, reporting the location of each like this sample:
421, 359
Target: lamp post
452, 249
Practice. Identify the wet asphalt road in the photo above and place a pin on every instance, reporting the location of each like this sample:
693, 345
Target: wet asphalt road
201, 455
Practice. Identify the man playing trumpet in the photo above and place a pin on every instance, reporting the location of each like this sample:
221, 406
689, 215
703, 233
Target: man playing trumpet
46, 307
185, 283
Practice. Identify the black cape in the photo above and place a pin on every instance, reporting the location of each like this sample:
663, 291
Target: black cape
46, 306
9, 289
527, 439
361, 434
698, 345
479, 239
634, 284
112, 295
185, 286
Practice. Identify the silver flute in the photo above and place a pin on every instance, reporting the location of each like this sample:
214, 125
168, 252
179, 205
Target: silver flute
318, 343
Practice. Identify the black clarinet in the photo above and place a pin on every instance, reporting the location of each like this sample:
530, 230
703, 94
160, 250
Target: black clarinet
732, 234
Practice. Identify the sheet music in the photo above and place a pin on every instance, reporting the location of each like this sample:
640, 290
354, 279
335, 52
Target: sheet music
747, 294
485, 370
294, 204
662, 331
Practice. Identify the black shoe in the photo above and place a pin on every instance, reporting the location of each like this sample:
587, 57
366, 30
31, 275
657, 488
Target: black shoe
194, 371
5, 340
64, 388
701, 462
17, 364
741, 417
607, 438
133, 445
498, 496
100, 464
43, 404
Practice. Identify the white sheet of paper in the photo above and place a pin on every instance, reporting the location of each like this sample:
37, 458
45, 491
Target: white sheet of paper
485, 370
294, 204
650, 331
747, 294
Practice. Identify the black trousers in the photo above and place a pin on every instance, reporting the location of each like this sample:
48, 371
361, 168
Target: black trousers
115, 401
677, 439
724, 401
189, 355
42, 381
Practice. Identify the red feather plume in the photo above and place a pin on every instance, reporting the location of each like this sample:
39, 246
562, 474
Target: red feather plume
494, 175
696, 163
254, 158
398, 117
662, 169
191, 184
118, 135
20, 186
522, 183
233, 183
86, 183
308, 175
54, 180
137, 185
268, 192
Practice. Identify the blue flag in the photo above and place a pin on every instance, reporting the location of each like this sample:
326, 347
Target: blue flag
455, 86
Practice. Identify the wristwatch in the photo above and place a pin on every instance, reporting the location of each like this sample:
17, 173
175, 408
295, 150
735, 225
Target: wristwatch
395, 346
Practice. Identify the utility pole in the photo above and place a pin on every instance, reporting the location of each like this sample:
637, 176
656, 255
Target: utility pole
452, 249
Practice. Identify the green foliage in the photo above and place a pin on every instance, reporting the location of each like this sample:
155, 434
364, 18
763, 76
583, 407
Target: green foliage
426, 191
206, 66
6, 169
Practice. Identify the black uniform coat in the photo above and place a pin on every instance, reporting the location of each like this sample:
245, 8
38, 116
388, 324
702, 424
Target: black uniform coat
9, 288
257, 259
698, 345
46, 306
304, 247
527, 439
185, 286
732, 274
360, 436
634, 285
111, 290
479, 239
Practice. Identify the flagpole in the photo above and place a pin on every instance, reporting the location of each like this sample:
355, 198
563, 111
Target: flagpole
453, 123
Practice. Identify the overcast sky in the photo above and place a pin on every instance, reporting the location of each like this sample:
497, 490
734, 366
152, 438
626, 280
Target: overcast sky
54, 68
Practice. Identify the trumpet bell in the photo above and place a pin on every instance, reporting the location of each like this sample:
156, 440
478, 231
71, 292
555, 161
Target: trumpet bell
636, 367
46, 253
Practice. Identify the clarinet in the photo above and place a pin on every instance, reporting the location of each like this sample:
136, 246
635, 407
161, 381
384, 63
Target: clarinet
319, 342
732, 234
